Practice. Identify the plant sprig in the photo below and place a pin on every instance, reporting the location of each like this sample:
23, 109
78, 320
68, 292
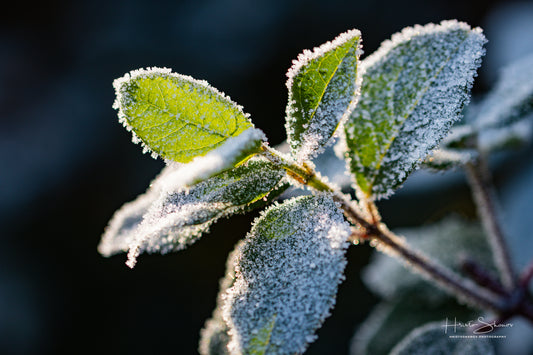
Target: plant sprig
390, 110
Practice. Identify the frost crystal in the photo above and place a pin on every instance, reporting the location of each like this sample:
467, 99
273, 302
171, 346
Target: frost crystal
323, 88
174, 217
174, 115
414, 88
287, 275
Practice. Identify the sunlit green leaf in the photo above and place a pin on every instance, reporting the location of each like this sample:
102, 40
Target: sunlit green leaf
322, 90
176, 116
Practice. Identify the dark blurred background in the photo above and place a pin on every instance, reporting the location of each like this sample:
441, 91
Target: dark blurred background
67, 164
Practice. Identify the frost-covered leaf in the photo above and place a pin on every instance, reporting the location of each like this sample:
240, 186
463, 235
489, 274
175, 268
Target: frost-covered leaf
176, 218
390, 321
443, 159
322, 91
448, 242
432, 339
233, 151
214, 337
176, 116
515, 134
414, 88
287, 276
511, 99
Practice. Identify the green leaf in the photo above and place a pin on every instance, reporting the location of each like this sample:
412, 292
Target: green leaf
322, 90
176, 116
287, 276
390, 321
414, 88
233, 152
432, 339
173, 219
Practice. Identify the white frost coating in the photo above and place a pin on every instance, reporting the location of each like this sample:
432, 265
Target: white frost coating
414, 88
307, 56
217, 160
121, 84
511, 99
118, 234
169, 217
180, 216
337, 101
287, 276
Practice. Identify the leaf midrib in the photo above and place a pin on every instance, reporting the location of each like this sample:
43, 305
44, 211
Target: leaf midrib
341, 60
395, 135
179, 118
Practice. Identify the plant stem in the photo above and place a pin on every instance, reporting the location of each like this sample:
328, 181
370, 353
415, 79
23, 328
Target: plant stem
478, 296
481, 184
463, 288
482, 277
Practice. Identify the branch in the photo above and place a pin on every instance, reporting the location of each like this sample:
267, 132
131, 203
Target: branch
388, 241
368, 226
481, 184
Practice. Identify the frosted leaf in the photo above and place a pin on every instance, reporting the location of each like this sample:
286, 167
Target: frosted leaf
432, 339
513, 135
118, 234
287, 276
177, 217
414, 89
511, 99
443, 159
174, 115
323, 88
214, 337
390, 321
226, 156
446, 242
